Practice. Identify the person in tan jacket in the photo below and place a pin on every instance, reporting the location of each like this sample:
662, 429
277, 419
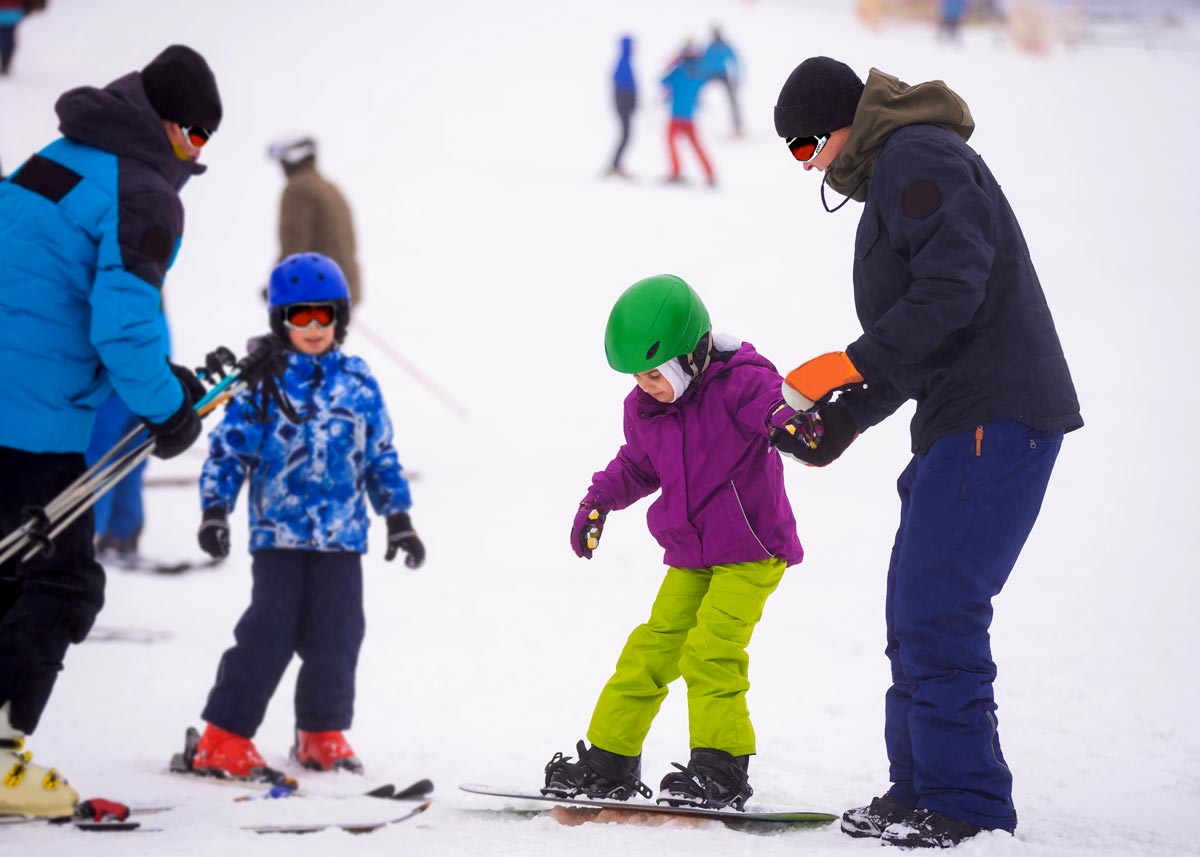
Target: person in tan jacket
313, 214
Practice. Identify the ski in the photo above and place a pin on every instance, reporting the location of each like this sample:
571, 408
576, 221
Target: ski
113, 634
729, 816
148, 565
349, 827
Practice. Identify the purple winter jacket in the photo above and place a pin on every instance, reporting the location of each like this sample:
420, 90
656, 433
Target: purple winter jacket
723, 498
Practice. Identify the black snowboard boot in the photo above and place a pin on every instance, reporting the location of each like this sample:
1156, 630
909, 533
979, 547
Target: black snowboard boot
925, 828
597, 774
713, 779
870, 820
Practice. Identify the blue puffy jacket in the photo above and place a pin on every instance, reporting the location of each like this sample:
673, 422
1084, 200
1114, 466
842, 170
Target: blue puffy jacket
88, 228
309, 481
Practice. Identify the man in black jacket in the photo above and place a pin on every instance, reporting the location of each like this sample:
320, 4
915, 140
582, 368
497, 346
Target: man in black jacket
954, 317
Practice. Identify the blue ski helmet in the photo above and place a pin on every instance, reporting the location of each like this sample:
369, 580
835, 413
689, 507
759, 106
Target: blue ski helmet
307, 278
304, 278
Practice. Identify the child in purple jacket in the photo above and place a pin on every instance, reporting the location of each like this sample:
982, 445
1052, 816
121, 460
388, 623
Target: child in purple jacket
696, 427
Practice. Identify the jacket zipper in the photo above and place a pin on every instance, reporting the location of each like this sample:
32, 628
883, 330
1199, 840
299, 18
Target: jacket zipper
746, 518
978, 441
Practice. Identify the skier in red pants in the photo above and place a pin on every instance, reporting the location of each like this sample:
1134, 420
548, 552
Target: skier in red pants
683, 83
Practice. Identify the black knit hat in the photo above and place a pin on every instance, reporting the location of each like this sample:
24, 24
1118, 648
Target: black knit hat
182, 89
819, 97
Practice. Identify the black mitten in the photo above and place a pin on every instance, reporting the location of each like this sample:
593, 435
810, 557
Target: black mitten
214, 533
401, 536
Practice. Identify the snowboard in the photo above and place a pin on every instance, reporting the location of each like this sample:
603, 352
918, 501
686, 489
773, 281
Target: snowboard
790, 817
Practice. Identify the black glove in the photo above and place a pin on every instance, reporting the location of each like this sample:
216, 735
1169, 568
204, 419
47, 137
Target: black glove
180, 430
402, 537
816, 438
216, 364
265, 355
214, 533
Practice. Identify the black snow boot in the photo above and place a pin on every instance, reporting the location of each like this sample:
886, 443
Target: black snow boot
870, 820
925, 828
597, 774
713, 779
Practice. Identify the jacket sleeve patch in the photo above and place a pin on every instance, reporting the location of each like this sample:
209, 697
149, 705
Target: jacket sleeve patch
920, 199
46, 178
157, 244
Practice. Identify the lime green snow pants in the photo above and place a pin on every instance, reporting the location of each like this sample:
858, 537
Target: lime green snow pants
699, 628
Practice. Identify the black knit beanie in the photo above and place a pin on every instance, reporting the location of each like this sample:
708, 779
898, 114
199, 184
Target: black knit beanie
819, 97
182, 89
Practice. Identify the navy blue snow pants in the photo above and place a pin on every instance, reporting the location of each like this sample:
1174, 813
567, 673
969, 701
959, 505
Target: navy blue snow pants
308, 603
966, 508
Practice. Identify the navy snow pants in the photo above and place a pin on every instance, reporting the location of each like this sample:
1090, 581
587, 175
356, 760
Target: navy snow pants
50, 601
965, 512
308, 603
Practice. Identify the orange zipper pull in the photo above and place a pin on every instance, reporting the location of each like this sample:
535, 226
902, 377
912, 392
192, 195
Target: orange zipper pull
978, 441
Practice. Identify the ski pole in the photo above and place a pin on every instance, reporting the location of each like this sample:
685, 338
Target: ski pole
67, 498
415, 373
90, 486
103, 482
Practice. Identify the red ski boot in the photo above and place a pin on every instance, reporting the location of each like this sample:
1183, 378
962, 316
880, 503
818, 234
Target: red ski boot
325, 751
224, 754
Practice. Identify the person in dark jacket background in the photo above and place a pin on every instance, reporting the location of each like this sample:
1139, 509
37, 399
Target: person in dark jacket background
88, 228
625, 100
954, 317
314, 215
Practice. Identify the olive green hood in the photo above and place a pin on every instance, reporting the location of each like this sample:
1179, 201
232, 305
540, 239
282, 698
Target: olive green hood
887, 105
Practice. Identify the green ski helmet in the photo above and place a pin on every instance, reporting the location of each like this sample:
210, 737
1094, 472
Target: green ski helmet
652, 321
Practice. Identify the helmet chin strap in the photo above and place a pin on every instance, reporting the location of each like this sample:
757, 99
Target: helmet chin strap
696, 362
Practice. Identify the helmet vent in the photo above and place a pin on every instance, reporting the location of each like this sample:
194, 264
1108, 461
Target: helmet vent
653, 349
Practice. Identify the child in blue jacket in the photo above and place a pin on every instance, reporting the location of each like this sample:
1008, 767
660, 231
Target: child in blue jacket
310, 474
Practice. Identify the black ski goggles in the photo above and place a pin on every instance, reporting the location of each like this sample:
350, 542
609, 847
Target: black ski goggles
806, 149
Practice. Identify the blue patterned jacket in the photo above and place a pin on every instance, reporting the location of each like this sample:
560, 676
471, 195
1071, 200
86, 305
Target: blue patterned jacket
309, 481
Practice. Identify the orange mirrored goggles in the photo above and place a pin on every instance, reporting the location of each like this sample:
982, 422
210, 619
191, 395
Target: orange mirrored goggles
196, 135
806, 149
303, 316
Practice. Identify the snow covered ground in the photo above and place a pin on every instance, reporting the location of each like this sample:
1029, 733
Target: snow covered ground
470, 136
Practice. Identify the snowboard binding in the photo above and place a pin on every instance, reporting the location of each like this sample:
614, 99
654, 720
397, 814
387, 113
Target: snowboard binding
597, 774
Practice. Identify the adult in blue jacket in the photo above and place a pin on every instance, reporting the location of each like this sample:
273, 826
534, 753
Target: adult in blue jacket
88, 228
954, 317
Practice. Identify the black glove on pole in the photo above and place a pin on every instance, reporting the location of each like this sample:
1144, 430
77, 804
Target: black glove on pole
180, 430
402, 537
214, 533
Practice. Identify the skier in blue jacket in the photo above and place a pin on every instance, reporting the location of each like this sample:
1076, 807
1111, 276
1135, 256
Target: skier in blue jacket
309, 481
88, 228
953, 317
683, 82
723, 66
